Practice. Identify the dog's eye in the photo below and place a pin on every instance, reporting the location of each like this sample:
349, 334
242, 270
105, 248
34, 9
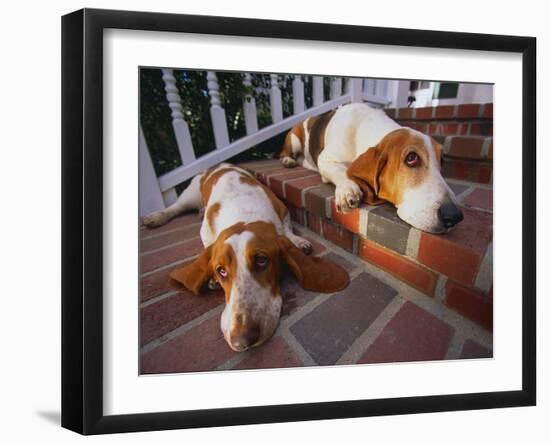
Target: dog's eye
412, 159
261, 261
221, 271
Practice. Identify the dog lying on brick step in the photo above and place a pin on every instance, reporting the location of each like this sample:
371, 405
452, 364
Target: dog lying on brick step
247, 235
369, 156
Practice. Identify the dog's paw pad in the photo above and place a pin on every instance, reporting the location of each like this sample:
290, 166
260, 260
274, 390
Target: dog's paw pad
288, 162
155, 219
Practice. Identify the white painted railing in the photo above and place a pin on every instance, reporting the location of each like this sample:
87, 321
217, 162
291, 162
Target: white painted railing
159, 192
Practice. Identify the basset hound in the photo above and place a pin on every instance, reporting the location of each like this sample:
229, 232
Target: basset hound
369, 156
247, 235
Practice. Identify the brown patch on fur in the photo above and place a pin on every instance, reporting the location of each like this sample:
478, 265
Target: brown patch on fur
381, 172
298, 131
317, 134
211, 214
210, 178
312, 273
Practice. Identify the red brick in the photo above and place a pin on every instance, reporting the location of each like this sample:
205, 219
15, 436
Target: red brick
276, 183
202, 348
470, 303
480, 198
490, 153
488, 111
411, 273
169, 255
468, 111
411, 335
466, 147
481, 129
485, 173
458, 253
472, 349
263, 174
296, 214
294, 188
167, 314
444, 128
350, 220
182, 221
156, 283
390, 112
329, 330
444, 111
405, 113
181, 234
337, 235
275, 353
314, 223
424, 113
258, 165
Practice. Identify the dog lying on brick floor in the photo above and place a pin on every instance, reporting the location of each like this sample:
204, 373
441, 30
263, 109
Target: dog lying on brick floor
369, 156
247, 235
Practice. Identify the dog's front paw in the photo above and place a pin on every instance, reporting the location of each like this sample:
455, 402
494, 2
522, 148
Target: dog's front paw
288, 162
155, 219
347, 197
304, 245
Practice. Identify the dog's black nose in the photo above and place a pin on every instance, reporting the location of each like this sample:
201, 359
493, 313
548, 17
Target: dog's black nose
246, 338
449, 214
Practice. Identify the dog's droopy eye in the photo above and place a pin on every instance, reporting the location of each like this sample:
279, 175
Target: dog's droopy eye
261, 261
412, 159
221, 271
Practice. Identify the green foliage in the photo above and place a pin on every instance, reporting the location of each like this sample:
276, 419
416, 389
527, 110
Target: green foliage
156, 121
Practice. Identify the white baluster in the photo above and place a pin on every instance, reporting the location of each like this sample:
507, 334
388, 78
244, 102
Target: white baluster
217, 113
336, 87
181, 129
318, 93
399, 93
249, 107
275, 100
298, 94
356, 89
150, 198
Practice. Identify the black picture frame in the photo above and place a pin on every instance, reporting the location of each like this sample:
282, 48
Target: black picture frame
82, 219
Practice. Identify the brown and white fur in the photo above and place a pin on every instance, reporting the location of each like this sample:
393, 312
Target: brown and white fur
364, 153
247, 236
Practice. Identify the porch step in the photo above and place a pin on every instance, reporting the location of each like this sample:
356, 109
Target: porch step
467, 119
454, 268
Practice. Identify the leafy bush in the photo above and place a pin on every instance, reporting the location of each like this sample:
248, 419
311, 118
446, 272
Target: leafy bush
156, 120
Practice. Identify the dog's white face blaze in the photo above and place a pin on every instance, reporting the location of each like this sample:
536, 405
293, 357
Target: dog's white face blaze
421, 202
249, 301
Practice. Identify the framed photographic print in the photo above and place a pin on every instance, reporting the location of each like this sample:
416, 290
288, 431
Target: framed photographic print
270, 221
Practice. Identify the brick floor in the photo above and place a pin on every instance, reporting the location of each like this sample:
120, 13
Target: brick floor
331, 328
180, 332
411, 335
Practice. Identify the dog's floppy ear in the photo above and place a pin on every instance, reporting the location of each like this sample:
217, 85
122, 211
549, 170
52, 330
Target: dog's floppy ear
194, 275
365, 171
313, 273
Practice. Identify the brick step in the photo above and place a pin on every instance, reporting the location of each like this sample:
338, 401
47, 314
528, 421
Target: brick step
477, 171
455, 268
468, 119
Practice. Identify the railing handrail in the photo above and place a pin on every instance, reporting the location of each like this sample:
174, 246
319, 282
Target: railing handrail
164, 193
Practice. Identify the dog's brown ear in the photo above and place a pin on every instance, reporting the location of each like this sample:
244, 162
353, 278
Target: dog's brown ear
313, 273
365, 171
438, 148
193, 276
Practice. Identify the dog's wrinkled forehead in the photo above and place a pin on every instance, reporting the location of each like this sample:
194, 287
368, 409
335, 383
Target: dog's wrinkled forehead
250, 254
